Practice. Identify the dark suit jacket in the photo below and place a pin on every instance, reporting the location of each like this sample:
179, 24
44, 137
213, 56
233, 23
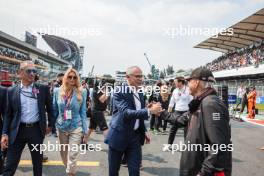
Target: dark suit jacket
2, 105
124, 119
13, 113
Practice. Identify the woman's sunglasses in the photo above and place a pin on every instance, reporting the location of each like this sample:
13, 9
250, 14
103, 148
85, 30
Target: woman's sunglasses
72, 77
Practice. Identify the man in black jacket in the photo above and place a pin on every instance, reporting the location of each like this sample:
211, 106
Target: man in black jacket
25, 120
208, 126
2, 110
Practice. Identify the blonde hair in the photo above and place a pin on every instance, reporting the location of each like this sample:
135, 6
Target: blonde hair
77, 87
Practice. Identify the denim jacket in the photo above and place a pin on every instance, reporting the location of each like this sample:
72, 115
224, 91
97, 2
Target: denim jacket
78, 111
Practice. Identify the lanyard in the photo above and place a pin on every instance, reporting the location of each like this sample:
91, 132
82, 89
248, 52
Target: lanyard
67, 100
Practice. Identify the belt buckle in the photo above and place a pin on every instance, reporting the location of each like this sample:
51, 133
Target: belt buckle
28, 125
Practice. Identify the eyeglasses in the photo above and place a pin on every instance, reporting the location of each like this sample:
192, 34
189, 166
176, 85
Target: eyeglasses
29, 71
72, 77
138, 76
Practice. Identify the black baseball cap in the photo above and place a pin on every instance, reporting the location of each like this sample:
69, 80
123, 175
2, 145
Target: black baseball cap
202, 73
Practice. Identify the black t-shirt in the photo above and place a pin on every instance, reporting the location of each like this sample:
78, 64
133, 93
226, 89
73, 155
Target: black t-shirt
97, 104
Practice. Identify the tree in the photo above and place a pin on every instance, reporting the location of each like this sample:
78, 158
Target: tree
162, 75
170, 70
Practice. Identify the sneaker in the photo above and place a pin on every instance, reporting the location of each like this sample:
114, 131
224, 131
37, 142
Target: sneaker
156, 132
164, 132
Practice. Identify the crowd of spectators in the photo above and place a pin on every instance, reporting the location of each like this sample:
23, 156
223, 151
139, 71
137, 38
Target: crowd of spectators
253, 55
8, 52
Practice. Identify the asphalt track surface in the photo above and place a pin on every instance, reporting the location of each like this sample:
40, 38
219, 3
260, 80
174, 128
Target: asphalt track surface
248, 159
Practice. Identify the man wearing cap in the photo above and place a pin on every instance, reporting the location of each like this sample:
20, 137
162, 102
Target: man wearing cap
208, 128
25, 119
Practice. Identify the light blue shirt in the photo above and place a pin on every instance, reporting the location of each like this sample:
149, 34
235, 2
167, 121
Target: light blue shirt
78, 110
29, 105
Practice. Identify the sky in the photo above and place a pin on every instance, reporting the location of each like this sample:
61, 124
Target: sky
116, 33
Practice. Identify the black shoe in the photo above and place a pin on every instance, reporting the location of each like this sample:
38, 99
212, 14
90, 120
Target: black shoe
45, 158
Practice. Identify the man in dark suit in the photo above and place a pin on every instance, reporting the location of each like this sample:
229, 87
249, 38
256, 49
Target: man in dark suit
127, 129
25, 120
2, 110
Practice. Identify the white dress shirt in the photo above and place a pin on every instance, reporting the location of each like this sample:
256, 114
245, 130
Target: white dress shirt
138, 107
180, 98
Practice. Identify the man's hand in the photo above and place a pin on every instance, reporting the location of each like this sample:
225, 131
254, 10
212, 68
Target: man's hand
147, 138
155, 109
4, 142
48, 130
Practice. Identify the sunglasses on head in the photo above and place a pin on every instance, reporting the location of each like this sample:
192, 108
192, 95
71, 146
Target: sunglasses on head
72, 77
29, 71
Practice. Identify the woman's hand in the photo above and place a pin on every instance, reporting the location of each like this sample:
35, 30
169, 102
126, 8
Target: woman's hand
85, 138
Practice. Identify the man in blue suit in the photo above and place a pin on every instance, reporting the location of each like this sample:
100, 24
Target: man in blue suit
127, 129
25, 119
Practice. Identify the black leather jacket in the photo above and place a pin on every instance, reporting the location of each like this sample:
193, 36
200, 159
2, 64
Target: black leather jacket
208, 125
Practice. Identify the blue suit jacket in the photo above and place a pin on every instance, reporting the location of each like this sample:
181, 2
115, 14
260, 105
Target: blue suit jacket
124, 119
12, 116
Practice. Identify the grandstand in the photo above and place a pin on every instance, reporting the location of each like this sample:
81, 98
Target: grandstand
13, 51
66, 50
242, 61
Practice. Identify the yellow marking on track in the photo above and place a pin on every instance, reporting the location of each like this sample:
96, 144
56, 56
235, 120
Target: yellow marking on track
59, 163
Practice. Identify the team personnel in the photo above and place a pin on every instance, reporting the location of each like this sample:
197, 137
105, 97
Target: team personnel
127, 129
25, 121
180, 99
208, 124
252, 103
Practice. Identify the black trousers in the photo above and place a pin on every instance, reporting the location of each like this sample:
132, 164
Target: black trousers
33, 138
244, 103
174, 129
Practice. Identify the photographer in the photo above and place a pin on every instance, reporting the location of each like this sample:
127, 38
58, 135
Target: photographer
100, 97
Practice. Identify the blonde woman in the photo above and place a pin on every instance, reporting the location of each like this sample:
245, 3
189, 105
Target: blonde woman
69, 104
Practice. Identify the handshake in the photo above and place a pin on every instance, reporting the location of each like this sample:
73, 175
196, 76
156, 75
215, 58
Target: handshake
155, 108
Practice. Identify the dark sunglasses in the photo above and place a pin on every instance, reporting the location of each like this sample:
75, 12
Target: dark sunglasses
29, 71
72, 77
